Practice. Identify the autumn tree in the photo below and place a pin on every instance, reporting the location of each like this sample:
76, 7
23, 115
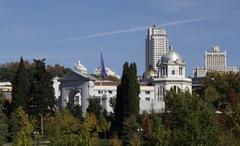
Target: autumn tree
23, 137
63, 129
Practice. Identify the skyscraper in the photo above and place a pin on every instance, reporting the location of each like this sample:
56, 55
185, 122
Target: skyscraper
215, 60
156, 46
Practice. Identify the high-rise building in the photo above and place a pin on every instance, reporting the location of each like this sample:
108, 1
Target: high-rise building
214, 60
156, 46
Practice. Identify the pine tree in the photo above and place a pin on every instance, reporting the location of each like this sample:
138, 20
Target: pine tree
41, 98
20, 87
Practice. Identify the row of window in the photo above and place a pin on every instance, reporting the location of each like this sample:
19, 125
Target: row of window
101, 91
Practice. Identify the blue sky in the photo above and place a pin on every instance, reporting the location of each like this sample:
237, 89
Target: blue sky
64, 31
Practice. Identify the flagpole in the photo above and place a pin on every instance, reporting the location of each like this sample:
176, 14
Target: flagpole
103, 75
101, 91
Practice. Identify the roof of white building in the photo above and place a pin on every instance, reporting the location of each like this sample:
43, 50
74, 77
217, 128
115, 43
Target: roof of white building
172, 57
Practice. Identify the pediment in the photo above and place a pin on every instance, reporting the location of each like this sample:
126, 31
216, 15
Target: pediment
75, 76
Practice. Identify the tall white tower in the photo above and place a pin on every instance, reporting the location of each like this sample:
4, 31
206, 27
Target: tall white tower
156, 46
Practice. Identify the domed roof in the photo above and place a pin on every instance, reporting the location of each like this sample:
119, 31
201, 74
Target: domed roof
172, 57
150, 73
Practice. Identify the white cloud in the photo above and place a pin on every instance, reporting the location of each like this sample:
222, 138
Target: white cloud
127, 30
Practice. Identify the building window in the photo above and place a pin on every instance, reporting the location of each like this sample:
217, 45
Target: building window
173, 72
180, 70
100, 92
110, 92
147, 92
147, 98
76, 99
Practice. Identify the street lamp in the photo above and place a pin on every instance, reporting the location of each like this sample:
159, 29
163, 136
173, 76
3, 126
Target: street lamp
36, 133
140, 130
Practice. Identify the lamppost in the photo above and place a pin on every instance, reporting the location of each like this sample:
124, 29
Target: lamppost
140, 130
36, 133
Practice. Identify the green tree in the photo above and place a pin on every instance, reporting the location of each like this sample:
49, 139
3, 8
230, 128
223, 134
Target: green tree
233, 117
23, 137
133, 92
120, 108
3, 123
21, 85
75, 110
57, 70
160, 135
41, 97
211, 94
64, 129
14, 125
127, 100
88, 131
131, 132
94, 106
103, 125
193, 120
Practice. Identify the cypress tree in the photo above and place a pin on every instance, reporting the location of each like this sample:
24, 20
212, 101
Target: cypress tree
20, 87
121, 96
127, 100
133, 92
41, 97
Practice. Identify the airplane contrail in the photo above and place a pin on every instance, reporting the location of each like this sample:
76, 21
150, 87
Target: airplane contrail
127, 30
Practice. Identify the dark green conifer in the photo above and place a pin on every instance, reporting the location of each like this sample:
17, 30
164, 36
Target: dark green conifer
41, 97
127, 100
20, 87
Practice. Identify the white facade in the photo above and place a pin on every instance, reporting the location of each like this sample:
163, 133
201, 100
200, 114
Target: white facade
148, 100
171, 75
109, 72
156, 46
6, 86
105, 90
214, 60
79, 87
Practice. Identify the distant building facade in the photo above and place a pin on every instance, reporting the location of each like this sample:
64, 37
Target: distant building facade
156, 46
78, 86
170, 75
214, 60
109, 72
6, 88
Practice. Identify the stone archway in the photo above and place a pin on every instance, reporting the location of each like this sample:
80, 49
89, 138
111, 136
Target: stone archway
75, 96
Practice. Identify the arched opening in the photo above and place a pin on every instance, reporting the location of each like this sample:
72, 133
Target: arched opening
74, 97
